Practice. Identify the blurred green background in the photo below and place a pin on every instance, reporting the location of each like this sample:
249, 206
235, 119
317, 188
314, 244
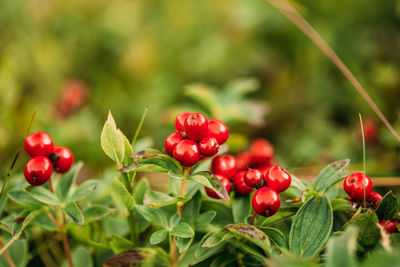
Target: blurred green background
73, 60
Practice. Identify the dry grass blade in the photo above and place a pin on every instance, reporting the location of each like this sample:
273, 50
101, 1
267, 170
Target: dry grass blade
288, 11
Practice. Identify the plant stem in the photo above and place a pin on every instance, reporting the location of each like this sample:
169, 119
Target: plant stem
364, 153
51, 186
131, 219
66, 245
172, 250
7, 256
252, 218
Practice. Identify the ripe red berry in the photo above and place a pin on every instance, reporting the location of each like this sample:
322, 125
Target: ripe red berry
187, 152
63, 159
266, 201
354, 186
264, 169
218, 130
224, 165
171, 141
208, 146
243, 160
180, 121
253, 178
389, 226
38, 170
39, 144
376, 199
196, 126
261, 152
278, 179
240, 185
225, 181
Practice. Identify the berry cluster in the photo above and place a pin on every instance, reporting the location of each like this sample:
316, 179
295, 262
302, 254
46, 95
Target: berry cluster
196, 138
253, 169
354, 185
45, 158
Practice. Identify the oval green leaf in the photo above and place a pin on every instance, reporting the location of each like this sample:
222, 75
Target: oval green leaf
331, 175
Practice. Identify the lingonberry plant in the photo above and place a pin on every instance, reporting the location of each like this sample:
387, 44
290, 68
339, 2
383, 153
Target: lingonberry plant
220, 209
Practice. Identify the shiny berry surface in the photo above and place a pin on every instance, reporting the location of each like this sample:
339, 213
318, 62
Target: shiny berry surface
354, 186
266, 201
39, 144
261, 152
180, 121
278, 179
225, 181
196, 126
208, 146
240, 186
218, 130
224, 165
243, 160
187, 152
64, 159
38, 170
389, 226
253, 178
376, 199
171, 141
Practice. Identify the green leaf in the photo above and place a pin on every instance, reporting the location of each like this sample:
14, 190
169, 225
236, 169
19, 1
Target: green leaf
159, 199
18, 252
282, 214
119, 244
204, 219
120, 192
152, 160
21, 223
139, 257
211, 181
183, 243
80, 257
174, 220
182, 230
276, 237
112, 142
217, 238
331, 175
369, 232
75, 213
153, 215
388, 207
83, 191
43, 195
140, 189
158, 236
97, 212
241, 207
252, 234
311, 227
224, 213
66, 181
340, 204
202, 253
382, 258
192, 208
341, 249
25, 199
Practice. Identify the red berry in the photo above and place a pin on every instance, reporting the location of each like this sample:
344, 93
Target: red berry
196, 126
208, 146
253, 178
63, 159
39, 144
225, 181
261, 152
264, 169
278, 179
243, 160
266, 201
171, 141
224, 165
240, 185
38, 170
389, 226
187, 152
354, 186
375, 198
180, 121
218, 130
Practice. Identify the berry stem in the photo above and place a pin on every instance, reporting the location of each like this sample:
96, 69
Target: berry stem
252, 218
364, 152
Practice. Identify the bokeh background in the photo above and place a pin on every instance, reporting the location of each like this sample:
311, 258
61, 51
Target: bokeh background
237, 60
